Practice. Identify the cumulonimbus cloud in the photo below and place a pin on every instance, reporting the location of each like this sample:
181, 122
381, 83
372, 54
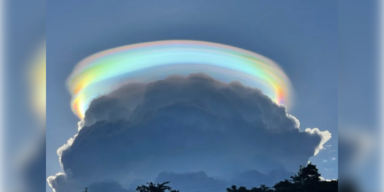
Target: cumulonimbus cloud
183, 125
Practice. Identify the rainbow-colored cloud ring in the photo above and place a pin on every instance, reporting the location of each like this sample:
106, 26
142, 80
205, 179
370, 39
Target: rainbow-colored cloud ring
103, 72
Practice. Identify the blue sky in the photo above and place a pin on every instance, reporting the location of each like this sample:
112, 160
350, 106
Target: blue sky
301, 36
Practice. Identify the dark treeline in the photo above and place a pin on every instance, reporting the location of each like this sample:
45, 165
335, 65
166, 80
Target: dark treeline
306, 180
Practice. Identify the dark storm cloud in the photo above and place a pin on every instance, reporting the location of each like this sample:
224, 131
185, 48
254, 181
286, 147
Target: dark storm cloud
183, 125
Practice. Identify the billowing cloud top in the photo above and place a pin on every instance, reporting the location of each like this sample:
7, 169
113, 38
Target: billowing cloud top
103, 72
183, 125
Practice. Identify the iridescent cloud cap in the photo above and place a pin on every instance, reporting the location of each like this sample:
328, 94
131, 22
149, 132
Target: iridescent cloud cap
103, 72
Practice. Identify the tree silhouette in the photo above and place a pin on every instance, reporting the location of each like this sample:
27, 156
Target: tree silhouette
235, 189
151, 187
307, 179
262, 188
310, 173
285, 186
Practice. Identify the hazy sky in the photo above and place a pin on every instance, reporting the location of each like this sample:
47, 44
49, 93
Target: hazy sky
301, 36
358, 78
24, 30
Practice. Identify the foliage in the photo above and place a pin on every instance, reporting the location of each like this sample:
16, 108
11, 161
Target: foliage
151, 187
262, 188
307, 179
